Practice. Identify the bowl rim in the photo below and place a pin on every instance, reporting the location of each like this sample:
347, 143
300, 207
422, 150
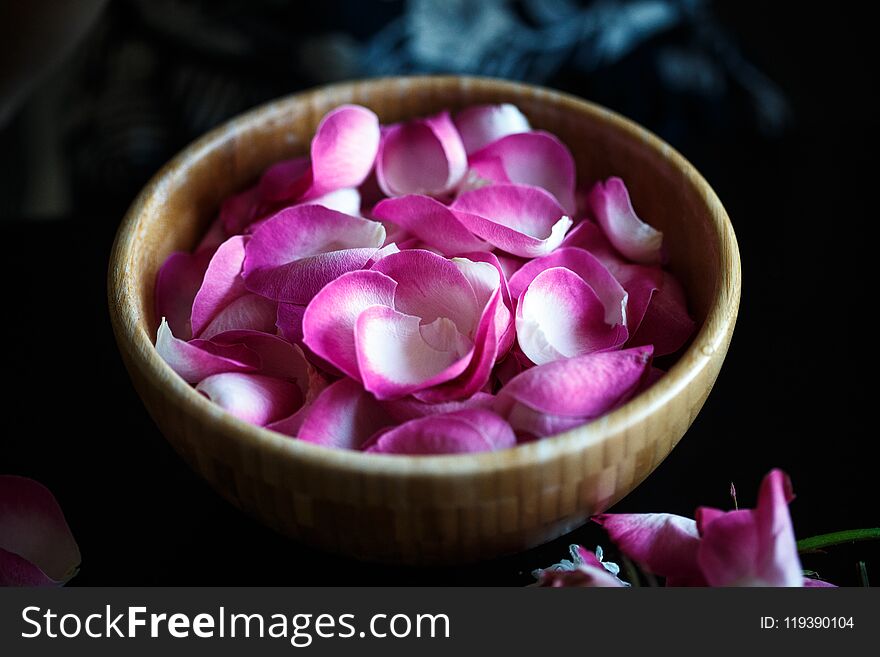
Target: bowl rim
133, 336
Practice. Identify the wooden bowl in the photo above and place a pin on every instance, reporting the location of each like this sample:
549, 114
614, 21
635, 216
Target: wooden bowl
437, 509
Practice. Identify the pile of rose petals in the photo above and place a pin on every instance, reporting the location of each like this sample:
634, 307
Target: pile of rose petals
437, 286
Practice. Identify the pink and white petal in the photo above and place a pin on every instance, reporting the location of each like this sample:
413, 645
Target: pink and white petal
197, 359
431, 286
254, 398
238, 211
611, 293
485, 274
343, 149
396, 357
666, 323
410, 408
430, 221
37, 547
779, 564
576, 389
421, 157
560, 316
306, 230
177, 283
641, 283
510, 264
729, 551
278, 357
522, 220
588, 236
247, 312
812, 583
344, 416
329, 320
459, 432
662, 543
283, 181
530, 158
346, 200
384, 252
222, 283
481, 125
638, 241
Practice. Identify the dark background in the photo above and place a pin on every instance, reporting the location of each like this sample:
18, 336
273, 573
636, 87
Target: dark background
771, 101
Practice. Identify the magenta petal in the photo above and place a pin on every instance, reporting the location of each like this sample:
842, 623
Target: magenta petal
248, 312
254, 398
398, 355
430, 221
779, 564
289, 321
611, 293
278, 358
177, 283
344, 416
484, 283
529, 158
299, 250
346, 200
344, 149
522, 220
459, 432
550, 398
811, 583
666, 323
560, 316
198, 359
481, 125
588, 236
329, 320
613, 210
240, 210
424, 156
222, 283
662, 543
410, 408
36, 545
282, 181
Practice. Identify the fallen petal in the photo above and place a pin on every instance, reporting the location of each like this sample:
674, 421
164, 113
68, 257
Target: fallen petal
666, 323
343, 149
638, 241
481, 125
198, 359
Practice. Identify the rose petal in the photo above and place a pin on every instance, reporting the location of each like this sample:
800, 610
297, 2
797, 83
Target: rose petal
254, 398
529, 158
459, 432
397, 355
522, 220
611, 205
424, 156
410, 408
285, 180
779, 557
197, 359
550, 398
343, 149
430, 221
247, 312
344, 416
278, 357
222, 283
177, 283
811, 583
329, 320
346, 200
36, 545
484, 283
289, 321
662, 543
295, 253
480, 125
238, 211
213, 237
666, 323
560, 316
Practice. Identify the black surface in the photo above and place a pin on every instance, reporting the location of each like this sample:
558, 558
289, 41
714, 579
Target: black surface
794, 391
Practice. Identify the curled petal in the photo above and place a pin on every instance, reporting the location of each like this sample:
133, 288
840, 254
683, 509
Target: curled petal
344, 149
665, 323
481, 125
222, 283
36, 545
254, 398
430, 221
424, 156
344, 416
529, 158
560, 316
397, 355
611, 205
550, 398
662, 543
177, 283
197, 359
522, 220
299, 250
459, 432
329, 320
478, 268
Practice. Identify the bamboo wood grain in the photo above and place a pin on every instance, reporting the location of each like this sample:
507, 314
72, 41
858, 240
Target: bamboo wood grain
439, 509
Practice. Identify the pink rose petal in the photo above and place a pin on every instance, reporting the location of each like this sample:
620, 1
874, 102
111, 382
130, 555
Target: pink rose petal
197, 359
611, 205
666, 323
343, 416
430, 221
424, 156
410, 408
36, 545
283, 181
240, 210
177, 283
529, 158
459, 432
560, 316
484, 283
344, 149
522, 220
481, 125
254, 398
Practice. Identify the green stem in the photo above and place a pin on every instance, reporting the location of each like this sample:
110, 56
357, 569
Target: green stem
863, 574
821, 541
